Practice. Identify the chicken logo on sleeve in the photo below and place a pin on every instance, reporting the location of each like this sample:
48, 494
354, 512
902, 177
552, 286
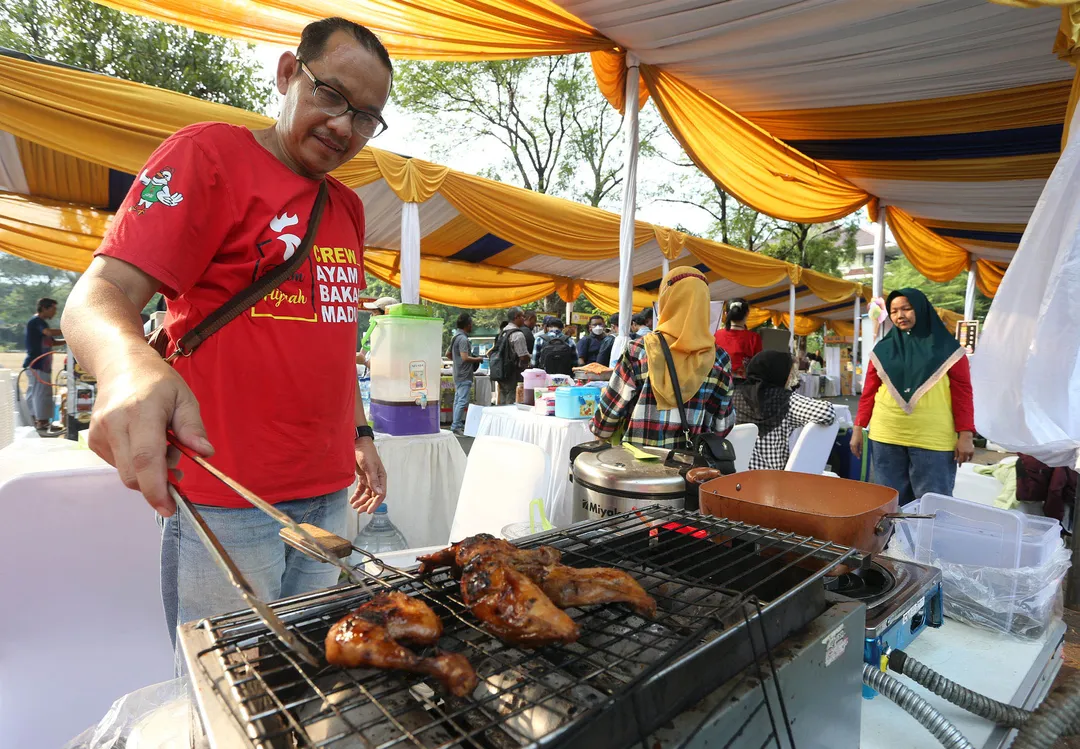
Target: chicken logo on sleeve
156, 190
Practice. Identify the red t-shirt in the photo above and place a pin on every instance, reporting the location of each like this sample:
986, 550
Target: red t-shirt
741, 346
212, 212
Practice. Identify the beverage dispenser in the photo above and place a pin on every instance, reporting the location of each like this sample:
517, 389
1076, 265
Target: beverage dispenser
406, 365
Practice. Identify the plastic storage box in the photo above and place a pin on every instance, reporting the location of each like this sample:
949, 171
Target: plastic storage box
967, 532
576, 402
1001, 569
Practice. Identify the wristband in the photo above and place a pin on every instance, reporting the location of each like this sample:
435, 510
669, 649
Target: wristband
365, 431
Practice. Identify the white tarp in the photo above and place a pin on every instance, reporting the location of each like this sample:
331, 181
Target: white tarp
1024, 372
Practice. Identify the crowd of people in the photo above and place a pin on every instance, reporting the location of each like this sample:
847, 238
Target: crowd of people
917, 401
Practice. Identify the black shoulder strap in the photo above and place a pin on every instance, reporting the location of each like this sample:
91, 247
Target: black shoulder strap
229, 311
675, 386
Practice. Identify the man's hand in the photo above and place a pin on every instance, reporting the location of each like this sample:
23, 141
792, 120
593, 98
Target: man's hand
371, 477
139, 398
856, 442
965, 447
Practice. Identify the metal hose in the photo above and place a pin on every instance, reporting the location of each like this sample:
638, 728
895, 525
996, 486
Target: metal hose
978, 704
916, 707
1057, 716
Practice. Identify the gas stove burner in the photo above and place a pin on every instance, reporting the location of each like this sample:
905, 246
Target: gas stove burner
864, 584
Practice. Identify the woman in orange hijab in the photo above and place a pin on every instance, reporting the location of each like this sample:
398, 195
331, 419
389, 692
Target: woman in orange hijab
641, 394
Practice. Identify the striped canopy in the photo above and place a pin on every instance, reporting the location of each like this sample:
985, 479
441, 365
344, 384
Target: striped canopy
949, 113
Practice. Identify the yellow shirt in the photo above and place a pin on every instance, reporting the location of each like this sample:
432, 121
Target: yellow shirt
929, 426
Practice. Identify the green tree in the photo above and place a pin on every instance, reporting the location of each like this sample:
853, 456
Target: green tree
901, 274
820, 247
22, 283
87, 35
552, 129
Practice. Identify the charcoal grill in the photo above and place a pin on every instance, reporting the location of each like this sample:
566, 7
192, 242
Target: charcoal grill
727, 594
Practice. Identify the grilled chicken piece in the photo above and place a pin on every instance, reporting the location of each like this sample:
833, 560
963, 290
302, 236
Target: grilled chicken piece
458, 555
569, 586
512, 606
355, 642
406, 619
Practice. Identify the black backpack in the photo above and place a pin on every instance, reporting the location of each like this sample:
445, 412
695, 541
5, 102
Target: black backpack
557, 357
502, 364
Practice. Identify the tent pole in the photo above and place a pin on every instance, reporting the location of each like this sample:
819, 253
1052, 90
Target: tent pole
629, 209
665, 266
791, 317
879, 253
969, 297
856, 340
569, 313
410, 253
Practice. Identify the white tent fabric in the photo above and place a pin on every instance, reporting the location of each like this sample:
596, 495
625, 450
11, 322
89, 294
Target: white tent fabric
1026, 370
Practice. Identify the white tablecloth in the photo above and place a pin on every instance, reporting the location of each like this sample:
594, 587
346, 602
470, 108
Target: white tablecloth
555, 437
423, 480
843, 415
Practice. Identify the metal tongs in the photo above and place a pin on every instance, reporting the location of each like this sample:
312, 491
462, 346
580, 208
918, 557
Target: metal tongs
293, 533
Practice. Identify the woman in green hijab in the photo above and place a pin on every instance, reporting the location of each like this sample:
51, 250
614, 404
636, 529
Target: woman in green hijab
917, 402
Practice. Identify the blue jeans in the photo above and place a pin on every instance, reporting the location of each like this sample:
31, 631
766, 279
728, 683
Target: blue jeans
913, 471
462, 391
192, 585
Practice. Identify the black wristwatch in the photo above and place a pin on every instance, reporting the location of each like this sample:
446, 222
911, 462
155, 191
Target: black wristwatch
365, 431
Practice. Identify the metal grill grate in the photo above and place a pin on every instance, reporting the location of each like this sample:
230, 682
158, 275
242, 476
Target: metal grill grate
724, 590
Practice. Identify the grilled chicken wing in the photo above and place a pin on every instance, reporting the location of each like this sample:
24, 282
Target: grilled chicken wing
459, 554
569, 586
406, 619
355, 642
512, 606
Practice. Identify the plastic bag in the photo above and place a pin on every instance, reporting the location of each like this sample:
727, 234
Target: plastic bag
1022, 602
1025, 367
160, 716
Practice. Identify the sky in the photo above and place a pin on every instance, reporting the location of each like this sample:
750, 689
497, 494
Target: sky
399, 138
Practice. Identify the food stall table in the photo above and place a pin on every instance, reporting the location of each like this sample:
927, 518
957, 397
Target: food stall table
423, 479
1010, 670
555, 437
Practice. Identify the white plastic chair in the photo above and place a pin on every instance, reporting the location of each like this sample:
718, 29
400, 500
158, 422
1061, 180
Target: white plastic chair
742, 438
80, 554
502, 476
472, 419
975, 487
812, 449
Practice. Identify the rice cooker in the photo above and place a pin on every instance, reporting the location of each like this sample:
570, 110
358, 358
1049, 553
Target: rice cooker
609, 480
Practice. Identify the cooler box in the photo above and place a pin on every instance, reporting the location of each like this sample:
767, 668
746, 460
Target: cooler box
406, 368
577, 402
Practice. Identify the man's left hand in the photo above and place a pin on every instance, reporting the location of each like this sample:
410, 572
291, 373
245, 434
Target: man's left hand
371, 477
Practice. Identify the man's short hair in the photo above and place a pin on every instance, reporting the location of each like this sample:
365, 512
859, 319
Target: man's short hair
596, 317
513, 313
613, 320
463, 320
45, 303
315, 35
640, 319
555, 323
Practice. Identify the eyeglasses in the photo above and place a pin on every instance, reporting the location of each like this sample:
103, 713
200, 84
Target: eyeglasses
332, 102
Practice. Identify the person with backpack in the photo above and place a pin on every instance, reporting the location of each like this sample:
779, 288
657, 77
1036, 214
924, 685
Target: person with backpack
509, 357
464, 366
553, 352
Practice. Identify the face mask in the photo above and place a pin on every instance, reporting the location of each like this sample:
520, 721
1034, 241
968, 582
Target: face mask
598, 330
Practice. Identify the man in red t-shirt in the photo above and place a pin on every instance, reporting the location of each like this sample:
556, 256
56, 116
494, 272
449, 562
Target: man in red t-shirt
274, 391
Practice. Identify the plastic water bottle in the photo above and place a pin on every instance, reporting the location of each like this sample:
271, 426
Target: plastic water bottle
365, 393
378, 537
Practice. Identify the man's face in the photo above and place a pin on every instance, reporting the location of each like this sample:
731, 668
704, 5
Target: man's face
902, 313
634, 327
519, 320
596, 326
47, 313
315, 141
530, 321
467, 330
